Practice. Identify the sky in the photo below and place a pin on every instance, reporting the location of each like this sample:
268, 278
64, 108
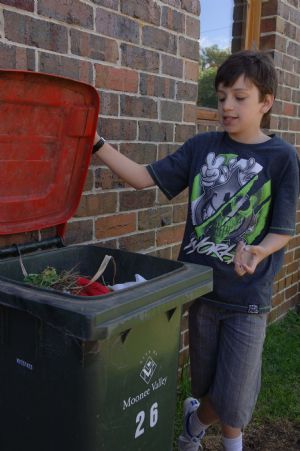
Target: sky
216, 23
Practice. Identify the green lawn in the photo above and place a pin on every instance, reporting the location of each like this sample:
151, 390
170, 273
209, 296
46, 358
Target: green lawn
279, 398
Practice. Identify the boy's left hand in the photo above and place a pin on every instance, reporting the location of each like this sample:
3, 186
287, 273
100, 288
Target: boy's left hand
247, 258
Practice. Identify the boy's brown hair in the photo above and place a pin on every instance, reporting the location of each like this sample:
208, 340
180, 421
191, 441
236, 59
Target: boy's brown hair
256, 66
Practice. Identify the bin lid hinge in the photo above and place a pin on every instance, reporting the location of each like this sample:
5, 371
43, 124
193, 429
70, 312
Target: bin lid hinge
19, 249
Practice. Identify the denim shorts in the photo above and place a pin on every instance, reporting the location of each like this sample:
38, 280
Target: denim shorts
225, 351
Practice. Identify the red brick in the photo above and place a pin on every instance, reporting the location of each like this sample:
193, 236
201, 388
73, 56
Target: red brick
159, 39
269, 8
12, 57
184, 132
189, 48
193, 27
172, 66
153, 218
172, 19
162, 253
175, 3
268, 25
179, 213
78, 232
190, 113
97, 204
147, 11
106, 179
138, 107
117, 26
170, 111
69, 11
291, 291
134, 200
117, 225
118, 129
66, 67
111, 4
34, 32
138, 242
267, 42
191, 71
139, 58
187, 91
109, 103
125, 80
169, 235
155, 131
191, 6
27, 5
94, 47
151, 85
139, 152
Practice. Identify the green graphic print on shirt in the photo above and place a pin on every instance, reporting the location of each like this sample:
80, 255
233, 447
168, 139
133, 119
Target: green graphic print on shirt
226, 206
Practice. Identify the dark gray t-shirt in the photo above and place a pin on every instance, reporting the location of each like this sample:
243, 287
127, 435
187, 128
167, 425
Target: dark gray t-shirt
237, 192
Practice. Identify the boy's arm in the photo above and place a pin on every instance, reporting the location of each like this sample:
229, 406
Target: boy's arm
132, 173
248, 257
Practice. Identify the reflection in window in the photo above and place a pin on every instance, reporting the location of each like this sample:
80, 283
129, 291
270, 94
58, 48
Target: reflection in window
222, 25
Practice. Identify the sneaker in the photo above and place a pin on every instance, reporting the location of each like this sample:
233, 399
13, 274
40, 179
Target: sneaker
186, 441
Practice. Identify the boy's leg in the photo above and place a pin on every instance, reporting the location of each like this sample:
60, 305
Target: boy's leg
232, 379
238, 372
203, 344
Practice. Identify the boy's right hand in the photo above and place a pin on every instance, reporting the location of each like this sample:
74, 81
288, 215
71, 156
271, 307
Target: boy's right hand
246, 258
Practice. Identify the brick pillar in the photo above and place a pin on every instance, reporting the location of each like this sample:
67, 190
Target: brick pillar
280, 33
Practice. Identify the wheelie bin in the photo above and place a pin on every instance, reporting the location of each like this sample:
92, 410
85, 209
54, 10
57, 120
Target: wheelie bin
81, 374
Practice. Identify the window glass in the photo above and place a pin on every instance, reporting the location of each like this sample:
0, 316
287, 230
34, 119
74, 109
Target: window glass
216, 20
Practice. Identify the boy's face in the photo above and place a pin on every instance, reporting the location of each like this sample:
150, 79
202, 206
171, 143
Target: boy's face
241, 110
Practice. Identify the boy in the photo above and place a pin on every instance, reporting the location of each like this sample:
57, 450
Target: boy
243, 190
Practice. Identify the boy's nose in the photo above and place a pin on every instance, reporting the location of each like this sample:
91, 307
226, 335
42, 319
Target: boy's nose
227, 104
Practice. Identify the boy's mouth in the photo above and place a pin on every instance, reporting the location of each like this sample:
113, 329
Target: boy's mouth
229, 120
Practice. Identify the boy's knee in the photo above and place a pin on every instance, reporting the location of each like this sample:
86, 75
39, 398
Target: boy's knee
229, 431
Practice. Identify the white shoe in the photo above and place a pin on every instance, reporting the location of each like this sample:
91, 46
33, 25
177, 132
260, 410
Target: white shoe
186, 441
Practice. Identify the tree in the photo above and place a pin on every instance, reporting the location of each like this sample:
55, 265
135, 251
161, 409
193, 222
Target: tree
210, 59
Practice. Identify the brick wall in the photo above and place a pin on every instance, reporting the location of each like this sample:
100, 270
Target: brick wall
142, 56
280, 32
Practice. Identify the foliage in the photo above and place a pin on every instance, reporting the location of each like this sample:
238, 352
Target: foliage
212, 56
280, 393
210, 59
49, 278
206, 92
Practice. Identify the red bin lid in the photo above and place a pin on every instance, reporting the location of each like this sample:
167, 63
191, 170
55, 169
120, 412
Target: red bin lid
47, 129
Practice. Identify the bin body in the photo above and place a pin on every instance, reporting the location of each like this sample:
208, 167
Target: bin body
87, 375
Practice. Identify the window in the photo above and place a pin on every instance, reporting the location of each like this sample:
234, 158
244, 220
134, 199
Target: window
226, 26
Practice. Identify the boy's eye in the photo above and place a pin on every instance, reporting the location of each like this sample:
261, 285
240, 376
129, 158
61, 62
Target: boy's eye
240, 98
221, 99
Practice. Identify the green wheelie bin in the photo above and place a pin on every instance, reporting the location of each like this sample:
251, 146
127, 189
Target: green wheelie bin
77, 373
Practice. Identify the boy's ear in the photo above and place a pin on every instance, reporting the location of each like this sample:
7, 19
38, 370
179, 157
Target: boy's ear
267, 103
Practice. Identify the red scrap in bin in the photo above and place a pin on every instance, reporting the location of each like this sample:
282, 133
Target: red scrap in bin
91, 289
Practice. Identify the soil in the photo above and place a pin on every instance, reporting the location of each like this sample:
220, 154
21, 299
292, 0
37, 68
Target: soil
271, 436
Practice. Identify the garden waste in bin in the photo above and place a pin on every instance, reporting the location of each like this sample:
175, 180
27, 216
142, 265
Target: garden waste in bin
80, 374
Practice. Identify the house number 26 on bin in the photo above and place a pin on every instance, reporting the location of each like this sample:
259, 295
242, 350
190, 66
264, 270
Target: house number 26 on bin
140, 420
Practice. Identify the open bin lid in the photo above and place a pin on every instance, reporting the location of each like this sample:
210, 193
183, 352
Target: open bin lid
47, 129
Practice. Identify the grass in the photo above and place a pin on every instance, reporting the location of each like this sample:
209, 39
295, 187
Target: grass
280, 390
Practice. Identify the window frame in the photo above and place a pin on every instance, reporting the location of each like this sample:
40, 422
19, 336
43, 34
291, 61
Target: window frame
252, 37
